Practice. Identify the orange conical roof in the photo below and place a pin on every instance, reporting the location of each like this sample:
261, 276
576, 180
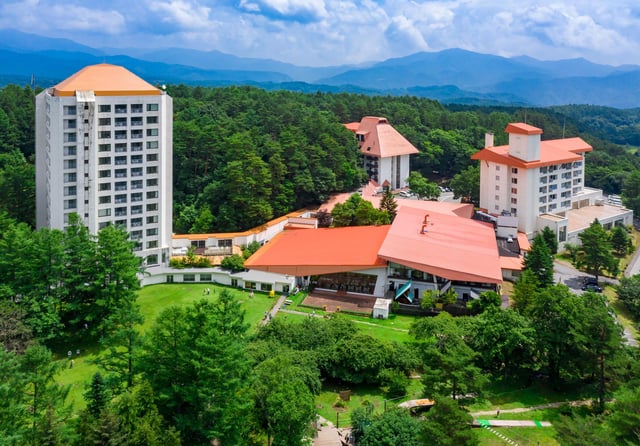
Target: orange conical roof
105, 80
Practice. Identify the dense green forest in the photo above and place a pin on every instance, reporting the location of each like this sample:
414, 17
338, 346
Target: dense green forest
243, 155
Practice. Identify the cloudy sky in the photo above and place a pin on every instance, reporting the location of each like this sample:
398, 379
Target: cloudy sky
332, 32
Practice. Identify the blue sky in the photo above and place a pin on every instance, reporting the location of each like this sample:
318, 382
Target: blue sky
333, 32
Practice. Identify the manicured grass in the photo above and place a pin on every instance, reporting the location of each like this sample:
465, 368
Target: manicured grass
523, 436
155, 298
152, 300
325, 402
513, 396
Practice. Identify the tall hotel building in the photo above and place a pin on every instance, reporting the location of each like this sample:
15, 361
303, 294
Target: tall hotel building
104, 151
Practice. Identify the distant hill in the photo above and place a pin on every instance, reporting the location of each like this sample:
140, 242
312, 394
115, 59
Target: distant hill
450, 76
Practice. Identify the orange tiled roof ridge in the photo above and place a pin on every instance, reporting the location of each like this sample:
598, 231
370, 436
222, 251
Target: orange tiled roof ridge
105, 80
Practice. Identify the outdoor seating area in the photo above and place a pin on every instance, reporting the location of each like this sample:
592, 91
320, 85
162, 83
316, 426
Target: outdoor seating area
339, 301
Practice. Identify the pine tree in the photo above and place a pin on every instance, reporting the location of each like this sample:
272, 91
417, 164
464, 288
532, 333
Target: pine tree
388, 203
540, 261
596, 250
97, 395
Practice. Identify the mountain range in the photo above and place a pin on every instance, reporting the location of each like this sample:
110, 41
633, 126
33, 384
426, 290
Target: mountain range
450, 76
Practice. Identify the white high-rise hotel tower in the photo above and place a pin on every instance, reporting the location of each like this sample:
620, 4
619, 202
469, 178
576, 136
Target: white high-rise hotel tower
104, 151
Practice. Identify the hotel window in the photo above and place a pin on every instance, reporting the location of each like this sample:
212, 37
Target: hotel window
136, 171
136, 108
553, 177
104, 186
135, 235
121, 185
543, 170
70, 124
152, 244
136, 210
69, 164
152, 194
121, 122
497, 177
121, 108
136, 146
136, 222
136, 159
514, 212
152, 144
104, 174
103, 224
514, 201
104, 147
152, 219
70, 204
121, 198
70, 190
120, 212
542, 209
497, 168
514, 181
514, 190
152, 107
152, 182
69, 178
70, 137
104, 121
121, 160
104, 108
106, 199
136, 122
152, 231
514, 170
69, 151
121, 147
152, 132
136, 134
497, 197
137, 196
104, 212
69, 110
152, 207
152, 157
104, 134
153, 260
136, 184
120, 134
152, 170
543, 190
104, 161
205, 277
152, 119
497, 187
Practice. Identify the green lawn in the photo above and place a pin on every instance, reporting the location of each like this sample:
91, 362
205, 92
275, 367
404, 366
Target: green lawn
622, 312
152, 300
360, 395
523, 436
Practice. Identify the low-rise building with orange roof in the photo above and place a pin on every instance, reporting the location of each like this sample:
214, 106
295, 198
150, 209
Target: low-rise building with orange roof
385, 151
541, 183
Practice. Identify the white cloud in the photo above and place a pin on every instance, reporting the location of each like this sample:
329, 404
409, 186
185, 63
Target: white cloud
37, 16
184, 14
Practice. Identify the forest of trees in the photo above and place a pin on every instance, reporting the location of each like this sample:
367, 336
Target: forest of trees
243, 155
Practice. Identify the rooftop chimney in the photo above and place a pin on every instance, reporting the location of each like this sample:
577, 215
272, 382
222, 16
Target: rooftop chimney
488, 140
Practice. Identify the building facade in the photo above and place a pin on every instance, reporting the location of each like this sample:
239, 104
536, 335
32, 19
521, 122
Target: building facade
385, 151
541, 183
104, 152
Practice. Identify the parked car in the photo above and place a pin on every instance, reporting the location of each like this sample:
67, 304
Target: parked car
592, 287
588, 280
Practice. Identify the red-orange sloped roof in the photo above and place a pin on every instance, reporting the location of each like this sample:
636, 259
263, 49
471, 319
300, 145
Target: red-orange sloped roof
105, 80
523, 129
512, 263
353, 126
381, 139
554, 151
321, 251
453, 247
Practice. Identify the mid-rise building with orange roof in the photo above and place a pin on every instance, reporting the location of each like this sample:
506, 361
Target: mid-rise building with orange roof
104, 152
385, 151
541, 183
